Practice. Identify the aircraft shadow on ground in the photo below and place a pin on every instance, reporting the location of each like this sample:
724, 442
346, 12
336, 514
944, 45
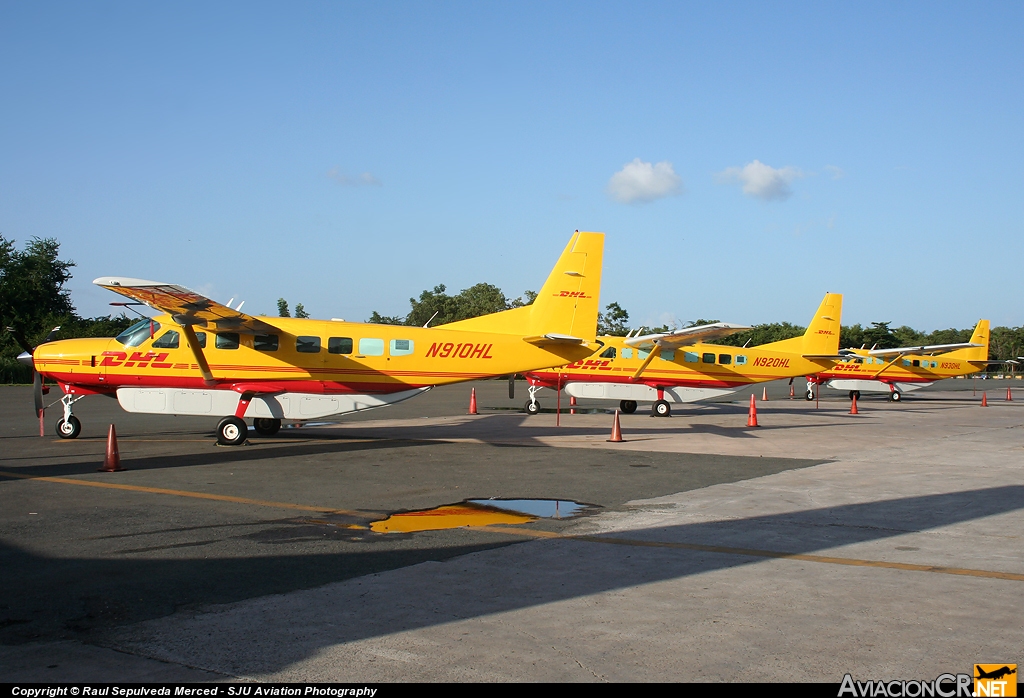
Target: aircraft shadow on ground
86, 598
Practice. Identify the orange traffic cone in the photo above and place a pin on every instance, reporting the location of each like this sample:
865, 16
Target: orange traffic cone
1009, 395
112, 462
752, 416
792, 393
616, 430
572, 405
472, 402
984, 399
764, 394
853, 405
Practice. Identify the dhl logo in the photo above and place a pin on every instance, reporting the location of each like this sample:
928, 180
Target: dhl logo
121, 358
768, 362
448, 350
846, 367
570, 294
593, 365
825, 332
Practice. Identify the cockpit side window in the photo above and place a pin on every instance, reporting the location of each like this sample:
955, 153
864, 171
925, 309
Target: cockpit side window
169, 340
138, 333
608, 353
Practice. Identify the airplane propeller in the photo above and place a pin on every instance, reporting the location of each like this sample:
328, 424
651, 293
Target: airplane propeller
25, 357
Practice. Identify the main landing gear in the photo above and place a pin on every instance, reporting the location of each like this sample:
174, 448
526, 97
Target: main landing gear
627, 406
232, 431
532, 405
265, 426
661, 408
895, 395
68, 426
855, 394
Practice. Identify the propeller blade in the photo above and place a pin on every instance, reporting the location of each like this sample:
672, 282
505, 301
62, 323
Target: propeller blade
512, 387
52, 336
37, 391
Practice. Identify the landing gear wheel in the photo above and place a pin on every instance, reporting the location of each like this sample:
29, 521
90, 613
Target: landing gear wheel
661, 409
266, 426
627, 406
895, 396
810, 394
232, 431
69, 428
532, 407
855, 394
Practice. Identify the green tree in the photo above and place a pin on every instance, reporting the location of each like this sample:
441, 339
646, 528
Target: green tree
300, 311
282, 308
613, 321
763, 334
438, 308
880, 336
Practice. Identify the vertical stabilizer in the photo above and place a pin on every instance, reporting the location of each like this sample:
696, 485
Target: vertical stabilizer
567, 303
980, 336
822, 335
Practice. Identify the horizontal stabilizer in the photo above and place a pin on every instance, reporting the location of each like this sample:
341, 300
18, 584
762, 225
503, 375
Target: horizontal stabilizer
184, 306
547, 339
686, 336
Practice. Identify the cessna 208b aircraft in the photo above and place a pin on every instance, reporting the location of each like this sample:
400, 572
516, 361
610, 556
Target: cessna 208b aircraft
203, 358
680, 367
896, 371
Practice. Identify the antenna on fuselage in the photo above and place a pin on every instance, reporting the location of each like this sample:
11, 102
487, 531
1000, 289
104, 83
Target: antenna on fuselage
427, 323
239, 308
127, 305
746, 343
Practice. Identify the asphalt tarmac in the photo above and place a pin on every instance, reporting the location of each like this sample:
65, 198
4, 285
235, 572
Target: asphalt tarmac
91, 562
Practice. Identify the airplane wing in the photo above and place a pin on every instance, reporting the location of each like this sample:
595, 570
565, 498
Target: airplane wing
187, 308
686, 336
924, 349
549, 339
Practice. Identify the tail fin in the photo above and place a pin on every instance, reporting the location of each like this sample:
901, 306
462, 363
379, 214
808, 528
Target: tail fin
567, 303
980, 336
822, 335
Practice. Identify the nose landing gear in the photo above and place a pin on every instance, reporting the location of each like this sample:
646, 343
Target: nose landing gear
68, 427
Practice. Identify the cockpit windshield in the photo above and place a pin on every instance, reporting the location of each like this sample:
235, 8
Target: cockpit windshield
138, 333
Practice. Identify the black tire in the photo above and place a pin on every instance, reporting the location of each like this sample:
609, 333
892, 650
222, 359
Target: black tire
232, 431
809, 395
69, 429
266, 426
895, 396
627, 406
661, 408
855, 394
532, 407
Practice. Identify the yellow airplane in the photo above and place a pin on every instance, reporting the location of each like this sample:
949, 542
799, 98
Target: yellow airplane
896, 371
676, 367
203, 358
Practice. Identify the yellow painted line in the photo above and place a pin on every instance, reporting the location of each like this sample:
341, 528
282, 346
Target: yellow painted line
752, 552
186, 493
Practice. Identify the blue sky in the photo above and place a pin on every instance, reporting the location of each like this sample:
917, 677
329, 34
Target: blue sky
743, 158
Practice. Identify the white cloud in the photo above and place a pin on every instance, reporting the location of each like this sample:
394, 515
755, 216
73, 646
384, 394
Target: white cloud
640, 181
762, 181
835, 172
364, 180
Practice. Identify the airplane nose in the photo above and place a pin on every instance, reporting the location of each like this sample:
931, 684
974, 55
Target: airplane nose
25, 358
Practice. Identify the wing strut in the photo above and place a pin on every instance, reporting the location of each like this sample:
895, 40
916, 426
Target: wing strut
197, 351
650, 357
882, 370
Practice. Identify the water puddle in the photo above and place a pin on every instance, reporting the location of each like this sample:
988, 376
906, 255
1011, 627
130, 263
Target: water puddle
480, 512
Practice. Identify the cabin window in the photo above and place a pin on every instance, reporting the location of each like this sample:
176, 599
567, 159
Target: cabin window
906, 362
690, 357
627, 352
642, 353
339, 345
371, 347
725, 358
740, 359
201, 338
917, 362
608, 353
934, 365
138, 333
227, 340
668, 354
169, 340
401, 347
708, 358
307, 345
265, 342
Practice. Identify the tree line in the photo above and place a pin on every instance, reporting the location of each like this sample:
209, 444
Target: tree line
33, 300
